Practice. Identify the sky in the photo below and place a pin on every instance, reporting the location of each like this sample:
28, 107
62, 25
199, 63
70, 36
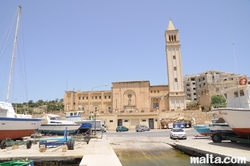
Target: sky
66, 45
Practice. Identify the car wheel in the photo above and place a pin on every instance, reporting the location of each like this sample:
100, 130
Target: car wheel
116, 130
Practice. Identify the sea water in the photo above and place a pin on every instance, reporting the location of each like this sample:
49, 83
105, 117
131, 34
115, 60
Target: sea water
170, 157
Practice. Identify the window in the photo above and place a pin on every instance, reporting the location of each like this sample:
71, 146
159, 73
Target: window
100, 97
105, 97
242, 93
235, 94
109, 109
175, 80
174, 57
87, 98
82, 98
158, 91
79, 98
155, 105
111, 121
154, 91
125, 120
95, 97
144, 120
109, 97
175, 68
225, 95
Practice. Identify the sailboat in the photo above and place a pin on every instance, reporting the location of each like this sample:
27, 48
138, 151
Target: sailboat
13, 125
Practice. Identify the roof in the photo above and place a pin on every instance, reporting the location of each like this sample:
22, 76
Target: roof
170, 25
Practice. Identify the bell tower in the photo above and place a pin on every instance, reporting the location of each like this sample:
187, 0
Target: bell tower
174, 68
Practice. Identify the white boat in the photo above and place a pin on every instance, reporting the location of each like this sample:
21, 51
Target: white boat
216, 125
54, 124
219, 125
76, 116
13, 125
237, 112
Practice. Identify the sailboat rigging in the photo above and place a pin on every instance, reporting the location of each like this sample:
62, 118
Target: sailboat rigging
13, 52
13, 125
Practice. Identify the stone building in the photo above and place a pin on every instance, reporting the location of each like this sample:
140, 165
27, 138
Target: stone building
130, 103
199, 88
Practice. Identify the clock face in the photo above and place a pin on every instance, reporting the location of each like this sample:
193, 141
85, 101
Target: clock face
129, 95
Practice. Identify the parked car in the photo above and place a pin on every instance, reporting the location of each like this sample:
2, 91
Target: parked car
121, 128
178, 133
140, 128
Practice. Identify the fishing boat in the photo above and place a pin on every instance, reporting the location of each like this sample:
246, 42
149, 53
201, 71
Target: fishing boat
216, 125
54, 124
203, 129
13, 125
237, 111
18, 163
220, 125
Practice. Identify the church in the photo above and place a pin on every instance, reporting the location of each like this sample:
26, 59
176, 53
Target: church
130, 103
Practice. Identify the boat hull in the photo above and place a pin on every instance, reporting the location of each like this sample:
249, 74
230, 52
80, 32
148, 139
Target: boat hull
58, 128
237, 118
18, 162
203, 130
14, 128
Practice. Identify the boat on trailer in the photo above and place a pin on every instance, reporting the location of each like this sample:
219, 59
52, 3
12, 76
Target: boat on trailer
216, 125
236, 113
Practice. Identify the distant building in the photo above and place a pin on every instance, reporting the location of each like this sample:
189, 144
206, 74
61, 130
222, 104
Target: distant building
199, 88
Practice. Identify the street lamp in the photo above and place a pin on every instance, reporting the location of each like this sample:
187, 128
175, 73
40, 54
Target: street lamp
96, 114
91, 103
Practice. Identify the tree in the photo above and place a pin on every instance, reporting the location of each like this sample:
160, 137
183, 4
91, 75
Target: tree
218, 101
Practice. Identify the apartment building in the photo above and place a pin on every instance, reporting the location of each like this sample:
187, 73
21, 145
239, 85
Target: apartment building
199, 88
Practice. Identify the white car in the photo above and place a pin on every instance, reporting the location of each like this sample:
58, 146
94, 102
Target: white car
178, 133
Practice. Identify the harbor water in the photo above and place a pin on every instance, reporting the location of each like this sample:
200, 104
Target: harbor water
169, 157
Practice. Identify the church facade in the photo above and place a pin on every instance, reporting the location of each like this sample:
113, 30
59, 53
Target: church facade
130, 103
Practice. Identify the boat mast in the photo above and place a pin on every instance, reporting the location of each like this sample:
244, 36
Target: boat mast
13, 52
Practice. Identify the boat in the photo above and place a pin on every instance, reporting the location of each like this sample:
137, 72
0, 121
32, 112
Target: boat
25, 162
216, 125
76, 116
220, 125
54, 124
13, 125
203, 129
237, 111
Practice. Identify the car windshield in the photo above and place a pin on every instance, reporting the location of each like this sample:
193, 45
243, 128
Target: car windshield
178, 130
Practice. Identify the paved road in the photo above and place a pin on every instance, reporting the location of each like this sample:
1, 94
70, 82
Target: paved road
152, 133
